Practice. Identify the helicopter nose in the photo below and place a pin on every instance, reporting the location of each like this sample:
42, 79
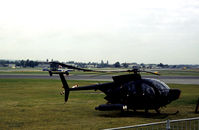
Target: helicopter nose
174, 94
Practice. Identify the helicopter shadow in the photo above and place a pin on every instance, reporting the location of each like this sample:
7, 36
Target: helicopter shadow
137, 114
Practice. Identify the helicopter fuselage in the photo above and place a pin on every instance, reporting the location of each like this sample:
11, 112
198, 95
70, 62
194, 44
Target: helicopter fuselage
134, 92
129, 91
141, 94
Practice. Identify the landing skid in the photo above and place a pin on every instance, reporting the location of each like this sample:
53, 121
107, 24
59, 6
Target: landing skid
146, 112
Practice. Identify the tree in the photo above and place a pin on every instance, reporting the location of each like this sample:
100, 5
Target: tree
22, 63
107, 62
125, 65
160, 65
117, 64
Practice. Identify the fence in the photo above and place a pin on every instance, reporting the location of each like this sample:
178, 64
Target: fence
181, 124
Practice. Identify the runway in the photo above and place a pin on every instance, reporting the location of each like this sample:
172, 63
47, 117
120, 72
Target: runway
166, 79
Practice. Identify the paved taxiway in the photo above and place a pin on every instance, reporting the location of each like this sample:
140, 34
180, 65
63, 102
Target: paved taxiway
166, 79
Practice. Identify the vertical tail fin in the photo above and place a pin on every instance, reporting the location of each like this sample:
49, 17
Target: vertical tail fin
64, 82
65, 85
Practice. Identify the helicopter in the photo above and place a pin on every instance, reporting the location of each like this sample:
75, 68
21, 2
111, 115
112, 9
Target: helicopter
126, 92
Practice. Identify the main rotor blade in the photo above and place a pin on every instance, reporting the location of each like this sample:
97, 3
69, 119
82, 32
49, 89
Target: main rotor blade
109, 71
156, 73
70, 66
86, 70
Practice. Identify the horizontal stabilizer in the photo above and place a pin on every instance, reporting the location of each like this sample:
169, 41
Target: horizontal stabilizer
58, 72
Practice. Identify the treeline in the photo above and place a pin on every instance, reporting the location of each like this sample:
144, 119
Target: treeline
19, 63
96, 65
102, 64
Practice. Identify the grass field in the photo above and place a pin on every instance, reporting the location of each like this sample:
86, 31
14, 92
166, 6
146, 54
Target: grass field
36, 104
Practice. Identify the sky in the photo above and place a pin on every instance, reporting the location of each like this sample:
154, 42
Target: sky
142, 31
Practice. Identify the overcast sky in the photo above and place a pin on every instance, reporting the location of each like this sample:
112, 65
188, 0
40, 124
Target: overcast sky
142, 31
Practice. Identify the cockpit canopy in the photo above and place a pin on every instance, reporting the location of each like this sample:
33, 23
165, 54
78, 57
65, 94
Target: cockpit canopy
157, 83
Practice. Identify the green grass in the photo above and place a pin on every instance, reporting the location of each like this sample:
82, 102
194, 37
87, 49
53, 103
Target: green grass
36, 104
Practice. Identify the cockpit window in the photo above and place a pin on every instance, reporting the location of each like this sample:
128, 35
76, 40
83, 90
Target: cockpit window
147, 89
158, 84
139, 88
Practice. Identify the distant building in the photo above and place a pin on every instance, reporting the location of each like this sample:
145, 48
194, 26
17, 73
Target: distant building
90, 66
44, 65
151, 66
12, 66
133, 65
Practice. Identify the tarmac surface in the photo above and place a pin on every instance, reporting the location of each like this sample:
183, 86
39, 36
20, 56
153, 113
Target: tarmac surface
166, 79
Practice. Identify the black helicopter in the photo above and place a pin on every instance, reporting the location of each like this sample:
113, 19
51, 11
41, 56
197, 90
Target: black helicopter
129, 91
